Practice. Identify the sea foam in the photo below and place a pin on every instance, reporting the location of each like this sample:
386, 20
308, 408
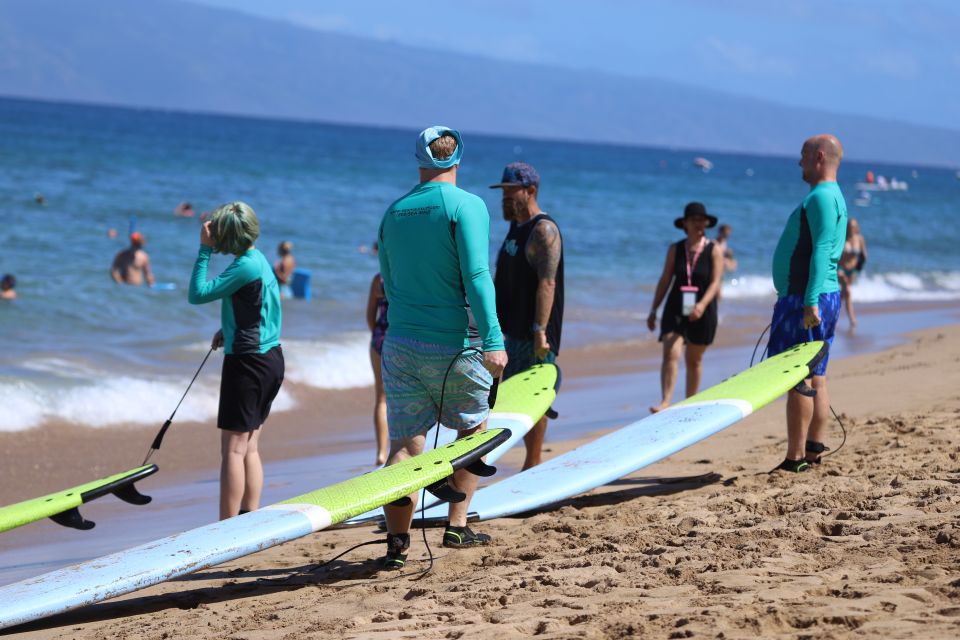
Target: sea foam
342, 362
64, 390
868, 287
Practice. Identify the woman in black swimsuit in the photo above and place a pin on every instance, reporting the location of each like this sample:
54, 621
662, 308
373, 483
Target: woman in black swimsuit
695, 265
377, 323
852, 259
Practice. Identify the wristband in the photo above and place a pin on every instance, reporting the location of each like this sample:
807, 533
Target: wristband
536, 328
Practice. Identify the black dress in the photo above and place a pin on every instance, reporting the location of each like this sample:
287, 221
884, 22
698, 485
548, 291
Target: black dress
703, 330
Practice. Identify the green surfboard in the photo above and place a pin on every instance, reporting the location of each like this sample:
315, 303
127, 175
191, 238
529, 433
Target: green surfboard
61, 506
190, 551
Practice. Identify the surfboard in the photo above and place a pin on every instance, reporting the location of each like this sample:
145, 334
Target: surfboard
521, 401
177, 555
644, 442
61, 507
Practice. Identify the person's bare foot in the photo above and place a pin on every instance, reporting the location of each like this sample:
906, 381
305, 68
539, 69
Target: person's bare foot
660, 407
381, 459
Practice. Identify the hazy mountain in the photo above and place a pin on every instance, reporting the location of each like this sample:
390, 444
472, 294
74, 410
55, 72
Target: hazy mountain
177, 55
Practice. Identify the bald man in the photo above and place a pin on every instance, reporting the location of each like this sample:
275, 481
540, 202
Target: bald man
808, 292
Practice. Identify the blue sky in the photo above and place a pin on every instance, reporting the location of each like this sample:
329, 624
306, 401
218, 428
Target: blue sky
889, 58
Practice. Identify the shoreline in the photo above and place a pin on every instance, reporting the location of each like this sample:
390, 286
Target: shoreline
325, 439
867, 545
334, 421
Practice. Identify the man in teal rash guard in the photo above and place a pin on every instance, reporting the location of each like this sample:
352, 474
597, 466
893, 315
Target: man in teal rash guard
253, 364
808, 293
434, 259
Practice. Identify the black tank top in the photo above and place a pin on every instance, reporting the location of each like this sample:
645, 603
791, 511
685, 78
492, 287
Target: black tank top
516, 283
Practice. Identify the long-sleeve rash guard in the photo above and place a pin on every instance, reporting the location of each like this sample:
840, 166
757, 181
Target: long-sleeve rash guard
434, 258
250, 314
806, 257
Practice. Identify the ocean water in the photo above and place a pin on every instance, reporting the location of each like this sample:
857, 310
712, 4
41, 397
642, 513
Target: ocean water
80, 349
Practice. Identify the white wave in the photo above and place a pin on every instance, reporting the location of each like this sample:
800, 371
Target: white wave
22, 406
749, 286
81, 393
890, 287
868, 287
948, 280
341, 363
112, 401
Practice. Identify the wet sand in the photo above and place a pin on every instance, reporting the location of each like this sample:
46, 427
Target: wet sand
866, 546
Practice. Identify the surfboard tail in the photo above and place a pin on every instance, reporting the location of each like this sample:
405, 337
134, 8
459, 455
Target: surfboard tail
62, 507
119, 573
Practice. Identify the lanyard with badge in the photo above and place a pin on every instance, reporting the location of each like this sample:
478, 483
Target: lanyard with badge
689, 291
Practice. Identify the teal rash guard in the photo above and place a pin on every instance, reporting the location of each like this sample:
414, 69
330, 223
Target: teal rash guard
250, 314
434, 258
806, 257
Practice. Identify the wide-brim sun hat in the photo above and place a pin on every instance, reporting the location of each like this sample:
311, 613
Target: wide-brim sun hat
695, 209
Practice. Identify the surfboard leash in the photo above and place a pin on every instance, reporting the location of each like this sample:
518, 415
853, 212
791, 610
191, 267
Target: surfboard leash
158, 439
763, 356
436, 439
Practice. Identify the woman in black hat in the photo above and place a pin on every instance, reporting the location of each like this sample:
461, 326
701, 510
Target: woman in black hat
690, 314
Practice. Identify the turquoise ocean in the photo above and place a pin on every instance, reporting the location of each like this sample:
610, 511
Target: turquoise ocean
79, 349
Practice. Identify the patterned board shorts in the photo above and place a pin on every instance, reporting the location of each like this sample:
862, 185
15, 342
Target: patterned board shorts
521, 356
787, 330
413, 374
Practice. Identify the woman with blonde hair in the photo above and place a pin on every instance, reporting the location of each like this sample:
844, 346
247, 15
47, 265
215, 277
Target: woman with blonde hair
253, 364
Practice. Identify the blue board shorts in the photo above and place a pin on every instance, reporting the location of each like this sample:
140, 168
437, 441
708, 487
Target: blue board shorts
786, 328
521, 356
413, 374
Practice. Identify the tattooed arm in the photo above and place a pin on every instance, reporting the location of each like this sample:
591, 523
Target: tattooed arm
543, 254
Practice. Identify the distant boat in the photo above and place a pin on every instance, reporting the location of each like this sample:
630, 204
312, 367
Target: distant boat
703, 163
882, 184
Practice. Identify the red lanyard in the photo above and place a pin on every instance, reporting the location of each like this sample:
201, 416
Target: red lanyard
693, 263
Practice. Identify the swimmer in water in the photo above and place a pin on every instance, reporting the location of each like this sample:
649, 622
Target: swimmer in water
8, 287
132, 265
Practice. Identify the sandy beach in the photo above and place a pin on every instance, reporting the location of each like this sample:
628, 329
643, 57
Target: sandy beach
703, 544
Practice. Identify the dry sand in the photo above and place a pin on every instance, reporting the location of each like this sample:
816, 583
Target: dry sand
868, 545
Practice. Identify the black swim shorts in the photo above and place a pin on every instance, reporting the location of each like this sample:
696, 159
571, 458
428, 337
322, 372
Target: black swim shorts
248, 385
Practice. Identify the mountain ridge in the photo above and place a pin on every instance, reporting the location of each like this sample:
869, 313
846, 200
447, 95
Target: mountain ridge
175, 55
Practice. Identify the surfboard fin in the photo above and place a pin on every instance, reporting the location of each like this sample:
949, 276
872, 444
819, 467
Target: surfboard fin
443, 491
552, 413
401, 502
481, 468
805, 390
128, 493
72, 518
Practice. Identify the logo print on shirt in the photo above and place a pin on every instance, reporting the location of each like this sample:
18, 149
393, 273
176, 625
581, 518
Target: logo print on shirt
510, 246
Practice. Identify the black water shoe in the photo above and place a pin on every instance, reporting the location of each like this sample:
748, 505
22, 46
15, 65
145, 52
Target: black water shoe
793, 466
464, 537
397, 546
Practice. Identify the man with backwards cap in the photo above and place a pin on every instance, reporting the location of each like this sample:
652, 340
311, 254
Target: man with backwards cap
529, 284
434, 261
132, 265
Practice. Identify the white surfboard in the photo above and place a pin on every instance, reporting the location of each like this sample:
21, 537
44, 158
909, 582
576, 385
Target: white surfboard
644, 442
